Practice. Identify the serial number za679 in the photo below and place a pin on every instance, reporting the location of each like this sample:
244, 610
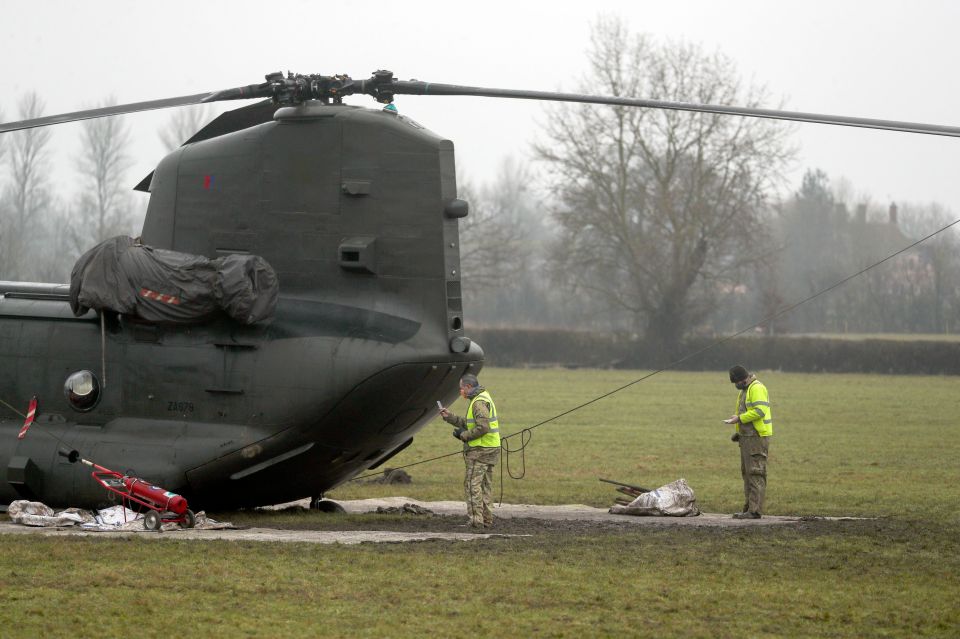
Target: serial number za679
180, 407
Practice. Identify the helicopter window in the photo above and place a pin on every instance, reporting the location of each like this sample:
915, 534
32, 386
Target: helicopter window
456, 323
82, 390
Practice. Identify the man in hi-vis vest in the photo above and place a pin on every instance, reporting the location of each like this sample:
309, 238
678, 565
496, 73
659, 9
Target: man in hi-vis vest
754, 426
480, 433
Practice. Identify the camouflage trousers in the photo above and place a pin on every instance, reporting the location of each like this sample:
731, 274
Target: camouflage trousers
753, 469
478, 483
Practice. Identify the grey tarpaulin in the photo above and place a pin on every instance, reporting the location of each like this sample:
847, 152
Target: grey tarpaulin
676, 499
35, 513
158, 285
38, 514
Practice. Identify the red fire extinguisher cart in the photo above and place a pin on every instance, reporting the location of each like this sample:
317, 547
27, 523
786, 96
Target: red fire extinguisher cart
163, 506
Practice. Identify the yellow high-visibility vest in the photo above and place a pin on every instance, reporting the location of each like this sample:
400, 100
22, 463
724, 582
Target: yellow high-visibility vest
758, 409
491, 439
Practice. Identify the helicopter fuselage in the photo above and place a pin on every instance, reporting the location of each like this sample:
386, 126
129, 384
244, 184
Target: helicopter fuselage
356, 210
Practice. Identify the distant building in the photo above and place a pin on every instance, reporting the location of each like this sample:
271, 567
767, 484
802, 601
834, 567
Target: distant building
907, 279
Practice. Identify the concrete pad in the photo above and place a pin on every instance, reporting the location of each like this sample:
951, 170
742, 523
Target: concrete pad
572, 512
253, 534
569, 512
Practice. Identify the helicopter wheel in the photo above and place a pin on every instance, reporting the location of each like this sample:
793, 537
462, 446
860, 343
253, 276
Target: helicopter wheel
326, 505
152, 520
190, 520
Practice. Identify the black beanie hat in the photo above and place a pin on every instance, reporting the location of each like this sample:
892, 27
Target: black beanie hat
470, 380
738, 374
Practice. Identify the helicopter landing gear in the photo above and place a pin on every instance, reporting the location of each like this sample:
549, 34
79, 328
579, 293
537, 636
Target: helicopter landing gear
325, 505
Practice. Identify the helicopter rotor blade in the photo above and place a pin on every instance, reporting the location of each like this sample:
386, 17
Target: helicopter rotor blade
273, 88
295, 88
413, 87
102, 112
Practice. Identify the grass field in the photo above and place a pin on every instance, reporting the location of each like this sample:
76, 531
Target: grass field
881, 447
861, 445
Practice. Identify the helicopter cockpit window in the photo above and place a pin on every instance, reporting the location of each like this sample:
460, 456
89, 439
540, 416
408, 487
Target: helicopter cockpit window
82, 390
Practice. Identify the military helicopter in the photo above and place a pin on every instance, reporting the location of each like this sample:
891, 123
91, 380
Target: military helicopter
356, 210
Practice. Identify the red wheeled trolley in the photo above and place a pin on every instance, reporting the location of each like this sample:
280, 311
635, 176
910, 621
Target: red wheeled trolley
163, 506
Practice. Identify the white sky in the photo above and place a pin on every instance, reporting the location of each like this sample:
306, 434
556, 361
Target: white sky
881, 59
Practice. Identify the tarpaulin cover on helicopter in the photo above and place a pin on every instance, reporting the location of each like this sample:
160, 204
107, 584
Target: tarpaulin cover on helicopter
158, 285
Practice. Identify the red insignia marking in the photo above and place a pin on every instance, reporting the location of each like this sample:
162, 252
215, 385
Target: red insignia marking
160, 297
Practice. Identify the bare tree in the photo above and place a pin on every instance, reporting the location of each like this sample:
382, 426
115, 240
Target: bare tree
494, 234
183, 124
104, 208
814, 229
657, 209
939, 265
26, 198
503, 251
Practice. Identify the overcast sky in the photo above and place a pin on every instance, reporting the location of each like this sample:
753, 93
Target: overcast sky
881, 59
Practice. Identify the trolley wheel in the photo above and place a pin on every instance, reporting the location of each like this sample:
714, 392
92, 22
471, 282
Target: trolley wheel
152, 520
190, 520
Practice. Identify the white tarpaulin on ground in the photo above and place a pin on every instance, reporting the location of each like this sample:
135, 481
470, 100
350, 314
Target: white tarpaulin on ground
35, 513
113, 518
676, 499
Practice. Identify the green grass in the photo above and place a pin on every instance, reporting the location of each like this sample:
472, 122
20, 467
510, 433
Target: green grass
876, 446
862, 445
659, 583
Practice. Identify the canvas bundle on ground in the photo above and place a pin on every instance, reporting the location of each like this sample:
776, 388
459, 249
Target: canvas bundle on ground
125, 276
676, 499
113, 518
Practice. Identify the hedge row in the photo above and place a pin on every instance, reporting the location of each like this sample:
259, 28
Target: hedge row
536, 347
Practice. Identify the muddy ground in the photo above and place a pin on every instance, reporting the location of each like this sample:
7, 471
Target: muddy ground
530, 526
400, 519
404, 515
